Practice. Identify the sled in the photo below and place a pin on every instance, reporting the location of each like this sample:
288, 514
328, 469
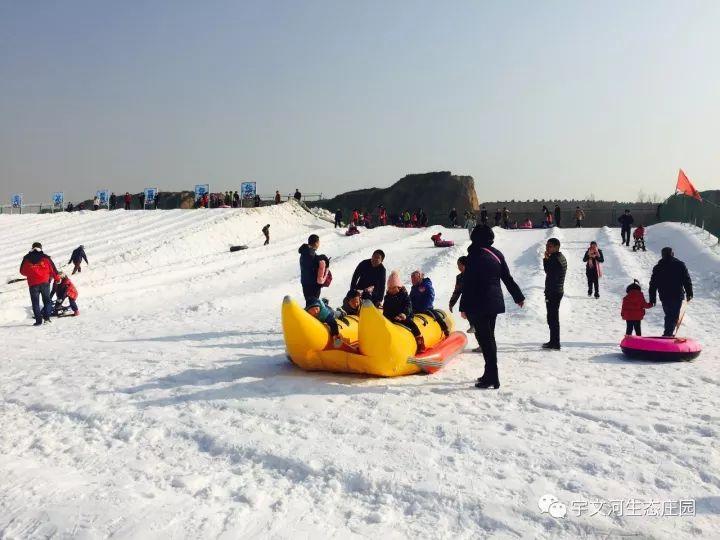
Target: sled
444, 243
438, 357
660, 349
62, 311
237, 248
372, 344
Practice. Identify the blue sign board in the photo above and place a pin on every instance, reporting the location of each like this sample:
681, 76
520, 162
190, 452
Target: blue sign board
248, 190
150, 196
104, 196
58, 199
201, 189
16, 200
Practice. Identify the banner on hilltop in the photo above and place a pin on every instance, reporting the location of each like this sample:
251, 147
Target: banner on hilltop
201, 189
104, 196
248, 190
16, 200
150, 196
58, 199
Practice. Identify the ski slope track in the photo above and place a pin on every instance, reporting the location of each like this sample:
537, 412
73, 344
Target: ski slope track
168, 409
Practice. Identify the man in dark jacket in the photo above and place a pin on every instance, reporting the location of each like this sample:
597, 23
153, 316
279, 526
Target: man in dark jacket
113, 201
626, 221
482, 297
483, 216
266, 232
422, 218
558, 215
338, 218
298, 195
127, 199
77, 257
498, 217
369, 278
452, 216
555, 267
308, 268
40, 271
671, 279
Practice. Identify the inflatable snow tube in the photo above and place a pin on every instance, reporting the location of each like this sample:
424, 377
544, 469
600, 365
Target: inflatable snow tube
374, 345
352, 232
660, 349
444, 243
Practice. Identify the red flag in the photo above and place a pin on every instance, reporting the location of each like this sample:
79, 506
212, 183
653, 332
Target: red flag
684, 186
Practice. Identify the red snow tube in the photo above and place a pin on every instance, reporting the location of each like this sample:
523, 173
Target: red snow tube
660, 348
439, 356
444, 243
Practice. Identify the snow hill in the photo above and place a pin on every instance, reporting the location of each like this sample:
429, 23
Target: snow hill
169, 409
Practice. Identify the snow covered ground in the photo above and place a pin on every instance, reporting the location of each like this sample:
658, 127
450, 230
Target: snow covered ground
168, 408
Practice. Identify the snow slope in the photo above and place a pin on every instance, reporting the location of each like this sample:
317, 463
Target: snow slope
168, 408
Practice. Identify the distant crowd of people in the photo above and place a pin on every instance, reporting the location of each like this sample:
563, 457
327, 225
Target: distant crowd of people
228, 199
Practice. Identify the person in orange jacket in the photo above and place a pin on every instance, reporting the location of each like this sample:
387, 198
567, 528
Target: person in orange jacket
62, 289
39, 269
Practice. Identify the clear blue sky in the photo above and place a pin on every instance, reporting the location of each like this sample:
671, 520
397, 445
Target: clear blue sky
531, 98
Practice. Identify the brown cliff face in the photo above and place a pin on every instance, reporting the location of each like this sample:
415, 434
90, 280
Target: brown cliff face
435, 192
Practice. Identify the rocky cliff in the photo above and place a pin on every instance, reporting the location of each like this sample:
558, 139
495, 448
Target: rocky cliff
434, 192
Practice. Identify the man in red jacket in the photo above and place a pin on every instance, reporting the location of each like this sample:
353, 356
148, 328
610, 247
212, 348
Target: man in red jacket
40, 272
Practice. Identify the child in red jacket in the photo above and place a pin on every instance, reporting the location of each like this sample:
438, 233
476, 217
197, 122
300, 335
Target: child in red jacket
64, 288
633, 308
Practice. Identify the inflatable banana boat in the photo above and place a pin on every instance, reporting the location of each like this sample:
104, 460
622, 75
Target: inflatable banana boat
661, 349
371, 344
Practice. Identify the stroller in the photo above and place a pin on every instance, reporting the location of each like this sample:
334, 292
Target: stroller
639, 237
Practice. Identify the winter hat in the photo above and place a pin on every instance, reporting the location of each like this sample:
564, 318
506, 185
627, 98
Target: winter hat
394, 279
634, 286
482, 235
37, 245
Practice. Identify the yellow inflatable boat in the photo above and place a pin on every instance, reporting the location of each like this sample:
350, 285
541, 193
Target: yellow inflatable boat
373, 344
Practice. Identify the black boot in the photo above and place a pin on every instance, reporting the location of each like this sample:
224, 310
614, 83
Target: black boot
551, 346
487, 384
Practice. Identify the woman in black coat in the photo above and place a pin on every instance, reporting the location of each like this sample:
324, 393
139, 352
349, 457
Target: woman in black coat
482, 297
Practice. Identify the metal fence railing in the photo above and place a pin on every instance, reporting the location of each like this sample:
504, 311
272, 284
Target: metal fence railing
37, 208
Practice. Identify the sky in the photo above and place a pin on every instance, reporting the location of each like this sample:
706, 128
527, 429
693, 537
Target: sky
556, 99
